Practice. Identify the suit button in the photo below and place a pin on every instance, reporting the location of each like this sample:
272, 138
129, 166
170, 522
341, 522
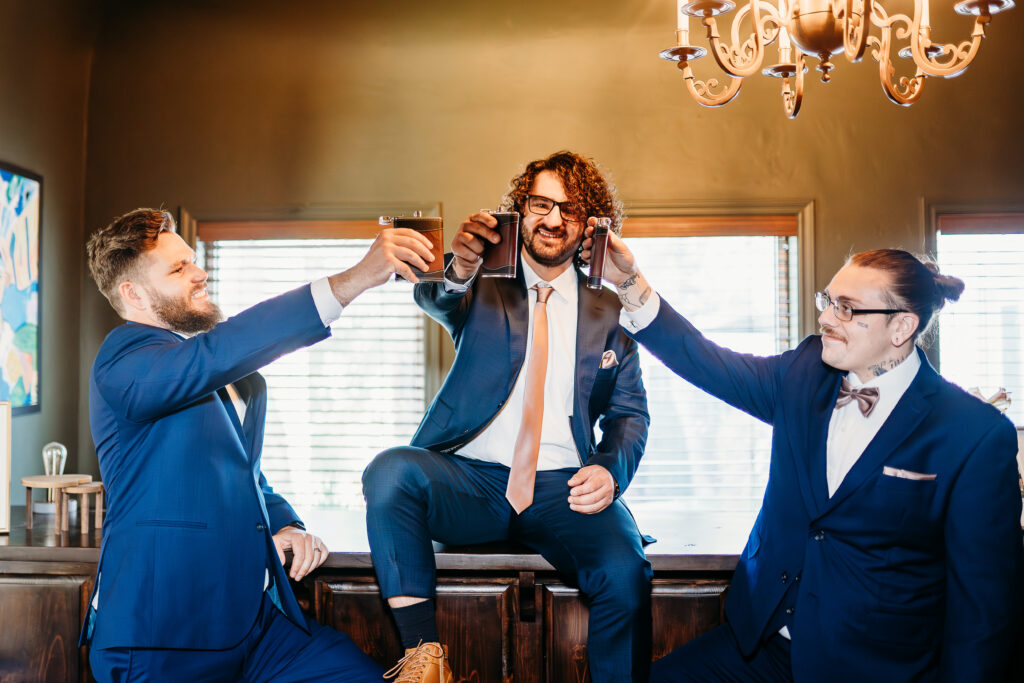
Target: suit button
796, 578
819, 535
785, 577
260, 526
790, 610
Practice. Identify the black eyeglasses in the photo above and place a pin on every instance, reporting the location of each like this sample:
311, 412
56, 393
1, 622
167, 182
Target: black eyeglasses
845, 312
542, 206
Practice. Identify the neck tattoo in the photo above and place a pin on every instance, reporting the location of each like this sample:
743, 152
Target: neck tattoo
879, 369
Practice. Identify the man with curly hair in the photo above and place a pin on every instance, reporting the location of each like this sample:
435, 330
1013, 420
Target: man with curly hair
507, 448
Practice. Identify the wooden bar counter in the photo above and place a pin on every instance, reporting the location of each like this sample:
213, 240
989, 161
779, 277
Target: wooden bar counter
503, 610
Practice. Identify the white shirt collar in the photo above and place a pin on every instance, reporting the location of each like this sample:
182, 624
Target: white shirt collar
565, 285
895, 381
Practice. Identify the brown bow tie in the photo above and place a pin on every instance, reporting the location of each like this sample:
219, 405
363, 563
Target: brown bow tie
866, 397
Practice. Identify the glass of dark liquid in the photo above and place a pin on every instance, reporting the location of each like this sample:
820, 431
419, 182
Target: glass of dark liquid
500, 258
430, 227
597, 252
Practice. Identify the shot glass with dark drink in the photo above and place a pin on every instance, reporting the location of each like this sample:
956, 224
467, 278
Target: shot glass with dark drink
430, 227
597, 252
500, 258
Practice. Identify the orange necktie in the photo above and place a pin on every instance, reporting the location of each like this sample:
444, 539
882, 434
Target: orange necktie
524, 457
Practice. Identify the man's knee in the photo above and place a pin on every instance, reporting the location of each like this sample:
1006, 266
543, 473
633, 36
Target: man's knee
390, 474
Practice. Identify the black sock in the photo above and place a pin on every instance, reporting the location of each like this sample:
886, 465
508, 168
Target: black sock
416, 623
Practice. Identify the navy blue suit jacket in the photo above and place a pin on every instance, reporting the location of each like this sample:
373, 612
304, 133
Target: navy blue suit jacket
489, 324
899, 579
188, 532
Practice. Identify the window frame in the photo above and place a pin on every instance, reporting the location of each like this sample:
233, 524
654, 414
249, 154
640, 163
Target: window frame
972, 219
723, 219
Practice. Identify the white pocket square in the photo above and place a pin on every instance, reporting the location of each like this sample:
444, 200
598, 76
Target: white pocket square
906, 474
608, 359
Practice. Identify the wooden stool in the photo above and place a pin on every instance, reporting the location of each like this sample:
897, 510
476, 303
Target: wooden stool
83, 507
57, 482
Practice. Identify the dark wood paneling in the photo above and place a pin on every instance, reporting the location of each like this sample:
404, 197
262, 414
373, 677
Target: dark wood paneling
40, 618
565, 637
683, 610
474, 618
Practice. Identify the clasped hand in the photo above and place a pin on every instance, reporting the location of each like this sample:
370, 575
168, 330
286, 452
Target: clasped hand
593, 489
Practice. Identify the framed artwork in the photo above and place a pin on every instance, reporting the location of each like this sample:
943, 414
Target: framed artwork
20, 334
5, 467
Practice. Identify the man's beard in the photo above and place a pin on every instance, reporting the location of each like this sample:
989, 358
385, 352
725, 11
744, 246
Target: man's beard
549, 258
180, 316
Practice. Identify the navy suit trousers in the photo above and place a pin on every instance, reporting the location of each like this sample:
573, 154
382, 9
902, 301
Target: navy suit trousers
275, 650
715, 658
415, 495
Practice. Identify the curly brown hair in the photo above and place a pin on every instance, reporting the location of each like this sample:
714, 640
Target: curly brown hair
585, 186
114, 251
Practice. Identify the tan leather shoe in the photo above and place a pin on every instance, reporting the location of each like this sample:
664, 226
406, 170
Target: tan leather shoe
427, 663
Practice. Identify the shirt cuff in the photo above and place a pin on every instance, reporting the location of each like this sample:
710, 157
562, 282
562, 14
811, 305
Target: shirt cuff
634, 321
453, 287
326, 304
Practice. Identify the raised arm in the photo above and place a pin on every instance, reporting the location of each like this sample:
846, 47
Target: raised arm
748, 382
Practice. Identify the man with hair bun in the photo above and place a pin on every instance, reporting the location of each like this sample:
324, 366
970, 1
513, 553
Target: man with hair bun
888, 545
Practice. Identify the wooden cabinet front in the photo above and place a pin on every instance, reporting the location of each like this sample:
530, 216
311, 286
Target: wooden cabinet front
41, 616
523, 628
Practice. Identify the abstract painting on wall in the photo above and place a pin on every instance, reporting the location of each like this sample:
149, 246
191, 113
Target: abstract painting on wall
20, 210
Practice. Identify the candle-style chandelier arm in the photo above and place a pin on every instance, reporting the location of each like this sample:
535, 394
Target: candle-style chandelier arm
943, 60
855, 17
702, 91
793, 89
904, 91
744, 56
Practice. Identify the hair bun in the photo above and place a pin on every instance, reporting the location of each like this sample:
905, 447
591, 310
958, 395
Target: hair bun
949, 288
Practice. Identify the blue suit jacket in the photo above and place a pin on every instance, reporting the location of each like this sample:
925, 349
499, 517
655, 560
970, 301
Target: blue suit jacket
489, 324
899, 579
188, 532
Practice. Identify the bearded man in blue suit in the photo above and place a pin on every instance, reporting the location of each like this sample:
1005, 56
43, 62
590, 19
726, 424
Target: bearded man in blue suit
190, 583
888, 546
507, 448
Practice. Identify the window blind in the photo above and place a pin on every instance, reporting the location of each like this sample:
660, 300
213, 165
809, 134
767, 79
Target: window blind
740, 291
333, 406
981, 336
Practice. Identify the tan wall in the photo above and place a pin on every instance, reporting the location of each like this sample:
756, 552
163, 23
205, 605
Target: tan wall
279, 109
46, 52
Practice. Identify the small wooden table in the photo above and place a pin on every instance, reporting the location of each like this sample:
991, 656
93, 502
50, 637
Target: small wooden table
84, 490
57, 482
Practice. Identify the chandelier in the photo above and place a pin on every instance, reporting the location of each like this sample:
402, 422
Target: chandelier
821, 29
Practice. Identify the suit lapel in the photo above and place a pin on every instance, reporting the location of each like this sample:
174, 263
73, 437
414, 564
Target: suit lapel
255, 414
225, 398
812, 426
590, 335
253, 392
912, 407
512, 293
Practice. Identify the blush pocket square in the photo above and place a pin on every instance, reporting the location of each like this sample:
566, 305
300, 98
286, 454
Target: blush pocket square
906, 474
608, 359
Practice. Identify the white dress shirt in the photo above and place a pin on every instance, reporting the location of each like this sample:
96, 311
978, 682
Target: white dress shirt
557, 447
849, 432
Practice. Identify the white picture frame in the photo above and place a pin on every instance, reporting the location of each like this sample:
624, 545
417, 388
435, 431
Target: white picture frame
5, 467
